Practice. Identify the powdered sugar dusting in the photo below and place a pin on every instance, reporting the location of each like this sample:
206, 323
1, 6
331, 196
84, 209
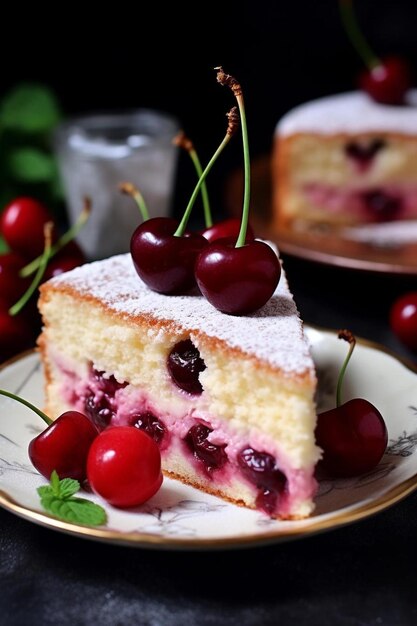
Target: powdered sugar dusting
273, 334
352, 112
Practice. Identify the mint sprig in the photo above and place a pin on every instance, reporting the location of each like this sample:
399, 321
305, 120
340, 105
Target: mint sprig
57, 498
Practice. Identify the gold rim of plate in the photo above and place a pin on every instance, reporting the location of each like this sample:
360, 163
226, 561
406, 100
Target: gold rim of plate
311, 525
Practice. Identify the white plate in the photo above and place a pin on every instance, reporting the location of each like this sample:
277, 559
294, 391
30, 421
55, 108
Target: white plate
181, 517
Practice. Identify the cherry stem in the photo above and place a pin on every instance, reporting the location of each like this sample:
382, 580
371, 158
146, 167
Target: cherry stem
356, 36
18, 306
347, 336
230, 81
182, 141
41, 414
131, 190
231, 129
62, 241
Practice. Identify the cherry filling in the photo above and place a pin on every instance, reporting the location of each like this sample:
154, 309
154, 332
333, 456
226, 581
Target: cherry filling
363, 154
383, 206
99, 405
148, 422
212, 456
260, 469
184, 365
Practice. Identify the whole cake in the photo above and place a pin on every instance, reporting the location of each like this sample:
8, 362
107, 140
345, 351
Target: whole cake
345, 160
229, 400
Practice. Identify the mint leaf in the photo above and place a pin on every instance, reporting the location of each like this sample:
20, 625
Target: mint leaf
30, 165
68, 487
57, 499
29, 108
3, 246
75, 510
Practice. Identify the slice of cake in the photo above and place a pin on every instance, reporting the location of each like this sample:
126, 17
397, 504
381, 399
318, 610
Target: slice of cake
345, 160
230, 400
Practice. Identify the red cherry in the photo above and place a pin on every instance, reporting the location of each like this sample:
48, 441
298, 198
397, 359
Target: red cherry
237, 280
67, 259
124, 466
16, 334
226, 229
403, 319
163, 261
353, 437
22, 225
387, 82
12, 286
63, 446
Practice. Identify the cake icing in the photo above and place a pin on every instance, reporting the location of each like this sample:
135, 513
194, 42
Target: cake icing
351, 112
273, 334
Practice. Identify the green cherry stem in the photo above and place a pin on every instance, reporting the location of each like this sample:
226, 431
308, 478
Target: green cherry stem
41, 414
231, 129
131, 190
347, 336
182, 141
62, 241
18, 306
356, 36
229, 81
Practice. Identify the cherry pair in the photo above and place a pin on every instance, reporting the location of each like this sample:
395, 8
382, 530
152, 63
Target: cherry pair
122, 464
236, 275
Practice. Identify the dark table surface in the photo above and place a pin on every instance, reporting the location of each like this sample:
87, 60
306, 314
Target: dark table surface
362, 574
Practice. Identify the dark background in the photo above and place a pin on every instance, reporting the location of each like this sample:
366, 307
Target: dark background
161, 55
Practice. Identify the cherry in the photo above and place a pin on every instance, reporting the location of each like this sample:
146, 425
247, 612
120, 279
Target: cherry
63, 445
99, 404
16, 333
185, 365
403, 319
149, 423
60, 264
353, 435
238, 278
385, 80
227, 229
364, 154
124, 466
22, 226
211, 455
260, 468
12, 286
163, 253
382, 206
164, 261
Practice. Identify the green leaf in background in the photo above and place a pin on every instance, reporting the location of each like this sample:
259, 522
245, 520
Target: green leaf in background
3, 246
29, 108
31, 165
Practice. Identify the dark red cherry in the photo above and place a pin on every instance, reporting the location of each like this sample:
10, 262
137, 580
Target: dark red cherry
12, 286
163, 261
387, 82
22, 226
16, 333
353, 437
237, 280
261, 470
382, 206
403, 319
60, 265
149, 423
63, 446
211, 455
185, 365
226, 229
363, 154
99, 402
